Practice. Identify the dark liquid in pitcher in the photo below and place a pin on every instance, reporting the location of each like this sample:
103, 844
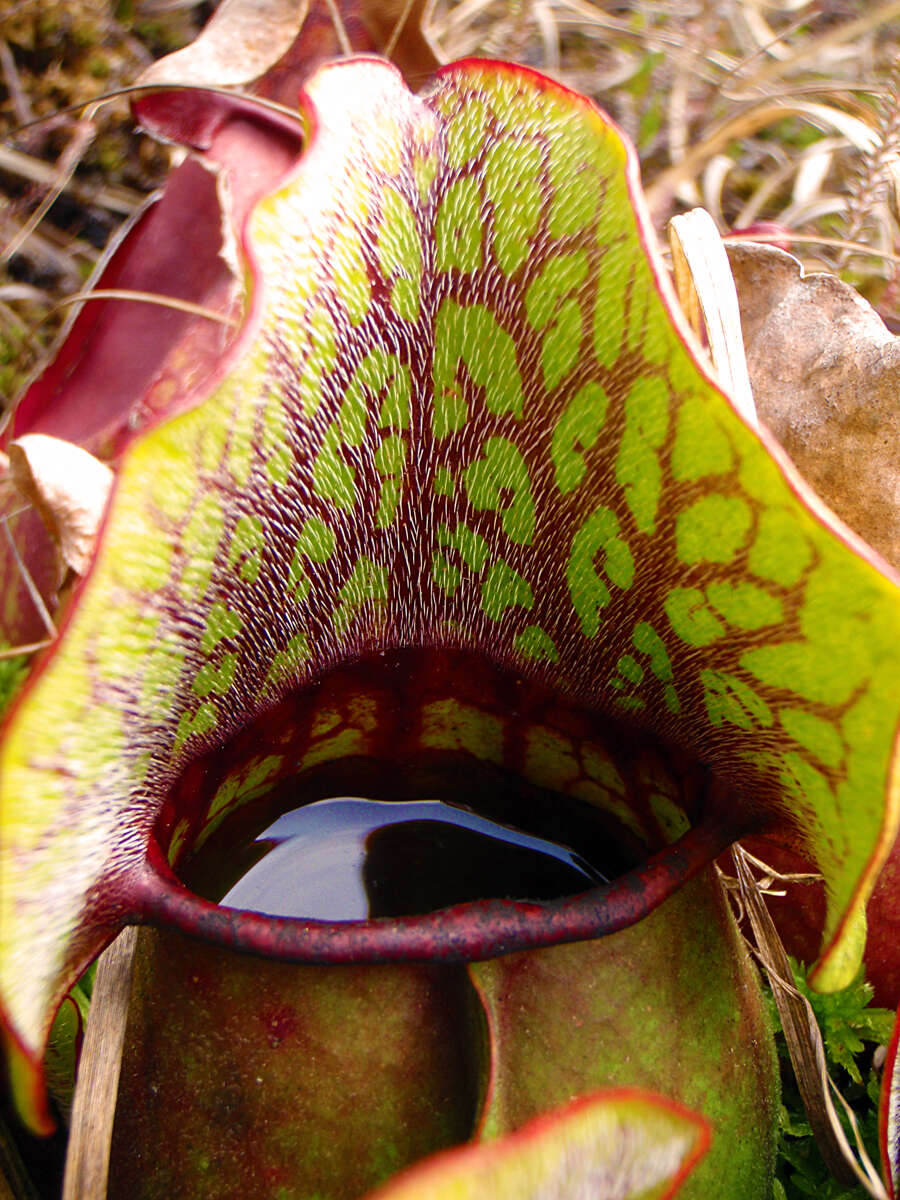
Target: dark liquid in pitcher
345, 859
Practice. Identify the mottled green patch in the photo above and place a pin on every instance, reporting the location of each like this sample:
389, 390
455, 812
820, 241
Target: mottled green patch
351, 271
459, 228
672, 819
245, 550
174, 485
781, 552
215, 679
577, 165
278, 465
691, 617
837, 659
638, 470
400, 254
713, 529
649, 329
512, 186
601, 769
106, 743
446, 575
321, 358
811, 790
647, 641
196, 724
276, 438
609, 307
286, 664
380, 376
443, 482
241, 449
424, 164
221, 622
200, 542
142, 563
796, 667
502, 469
630, 670
161, 668
730, 699
316, 542
343, 745
389, 460
577, 430
745, 605
333, 478
536, 644
550, 304
234, 786
472, 547
470, 335
368, 584
550, 759
466, 131
590, 594
177, 840
504, 588
813, 733
451, 725
702, 448
210, 437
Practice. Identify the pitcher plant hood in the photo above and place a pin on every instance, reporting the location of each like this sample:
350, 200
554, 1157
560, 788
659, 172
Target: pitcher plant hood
462, 461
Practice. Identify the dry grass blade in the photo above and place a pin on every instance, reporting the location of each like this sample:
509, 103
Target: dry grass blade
96, 1091
811, 239
43, 172
339, 28
33, 592
185, 306
118, 199
84, 132
751, 120
804, 1042
812, 49
398, 28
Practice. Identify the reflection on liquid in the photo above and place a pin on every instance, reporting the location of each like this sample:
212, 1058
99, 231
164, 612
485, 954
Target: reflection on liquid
347, 858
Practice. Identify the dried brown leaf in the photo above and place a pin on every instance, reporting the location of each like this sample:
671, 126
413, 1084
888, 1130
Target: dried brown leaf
240, 42
825, 373
68, 487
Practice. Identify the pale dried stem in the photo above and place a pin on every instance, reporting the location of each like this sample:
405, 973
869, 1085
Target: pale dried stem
68, 161
17, 94
804, 1043
97, 1086
184, 306
398, 28
117, 199
813, 239
36, 597
340, 30
811, 50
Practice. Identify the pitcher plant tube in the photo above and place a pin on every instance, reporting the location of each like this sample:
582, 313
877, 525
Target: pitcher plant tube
445, 505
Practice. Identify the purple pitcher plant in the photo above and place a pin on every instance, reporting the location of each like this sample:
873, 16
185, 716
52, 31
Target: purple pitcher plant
425, 493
